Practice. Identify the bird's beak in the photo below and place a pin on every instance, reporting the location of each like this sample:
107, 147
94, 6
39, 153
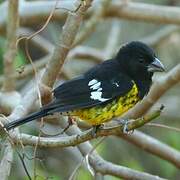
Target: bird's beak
156, 66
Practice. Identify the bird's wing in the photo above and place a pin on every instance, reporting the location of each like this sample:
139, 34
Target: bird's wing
88, 91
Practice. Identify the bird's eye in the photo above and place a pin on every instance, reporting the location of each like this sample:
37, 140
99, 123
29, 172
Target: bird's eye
141, 60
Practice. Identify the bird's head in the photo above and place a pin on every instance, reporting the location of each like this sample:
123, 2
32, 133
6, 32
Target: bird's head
139, 60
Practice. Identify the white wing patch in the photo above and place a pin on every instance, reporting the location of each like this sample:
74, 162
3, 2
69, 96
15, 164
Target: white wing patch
95, 86
97, 93
94, 81
117, 84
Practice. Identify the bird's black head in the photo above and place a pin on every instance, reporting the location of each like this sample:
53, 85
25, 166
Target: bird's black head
139, 60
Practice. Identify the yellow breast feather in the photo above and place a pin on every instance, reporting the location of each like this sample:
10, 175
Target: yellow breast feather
103, 113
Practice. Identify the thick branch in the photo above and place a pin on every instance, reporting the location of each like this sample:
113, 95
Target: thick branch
69, 32
6, 161
37, 12
154, 146
84, 136
106, 167
10, 54
144, 12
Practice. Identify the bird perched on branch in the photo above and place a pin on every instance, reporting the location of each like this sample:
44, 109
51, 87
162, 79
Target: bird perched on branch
105, 91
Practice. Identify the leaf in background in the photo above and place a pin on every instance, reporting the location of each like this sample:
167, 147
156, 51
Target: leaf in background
20, 59
2, 48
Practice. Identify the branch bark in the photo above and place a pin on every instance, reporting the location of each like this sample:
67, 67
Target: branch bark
115, 128
37, 12
6, 161
107, 168
66, 40
154, 146
10, 54
144, 12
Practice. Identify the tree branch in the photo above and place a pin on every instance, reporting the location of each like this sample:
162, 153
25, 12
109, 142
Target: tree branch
154, 146
144, 12
66, 40
6, 161
115, 128
36, 12
108, 168
10, 54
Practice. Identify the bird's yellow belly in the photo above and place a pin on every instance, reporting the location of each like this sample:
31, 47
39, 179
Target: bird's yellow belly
103, 113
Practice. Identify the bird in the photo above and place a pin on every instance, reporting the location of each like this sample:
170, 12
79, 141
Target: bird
106, 91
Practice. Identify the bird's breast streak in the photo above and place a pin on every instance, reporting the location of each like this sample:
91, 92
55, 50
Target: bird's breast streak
103, 113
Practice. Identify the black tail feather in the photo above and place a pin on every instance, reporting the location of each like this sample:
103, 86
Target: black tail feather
26, 119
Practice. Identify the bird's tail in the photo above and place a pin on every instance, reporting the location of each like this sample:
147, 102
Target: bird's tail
26, 119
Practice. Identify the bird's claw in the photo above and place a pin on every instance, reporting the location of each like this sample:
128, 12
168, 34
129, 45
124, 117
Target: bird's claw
95, 129
125, 123
71, 121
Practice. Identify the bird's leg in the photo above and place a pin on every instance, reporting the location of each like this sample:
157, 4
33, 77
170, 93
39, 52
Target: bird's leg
71, 121
125, 123
96, 128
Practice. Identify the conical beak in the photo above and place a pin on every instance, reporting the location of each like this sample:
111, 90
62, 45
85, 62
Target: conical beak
156, 66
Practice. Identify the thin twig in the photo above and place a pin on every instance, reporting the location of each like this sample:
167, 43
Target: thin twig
164, 126
24, 165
